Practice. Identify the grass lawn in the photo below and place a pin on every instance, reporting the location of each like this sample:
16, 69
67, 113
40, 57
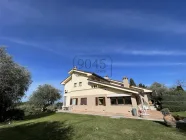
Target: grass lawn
62, 126
183, 114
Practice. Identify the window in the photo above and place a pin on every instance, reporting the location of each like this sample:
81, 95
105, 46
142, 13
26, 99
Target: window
80, 84
83, 101
74, 101
120, 100
94, 86
127, 100
75, 84
113, 101
100, 101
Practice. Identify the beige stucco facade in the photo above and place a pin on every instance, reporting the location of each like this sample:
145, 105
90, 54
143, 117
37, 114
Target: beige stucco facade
91, 106
91, 95
90, 86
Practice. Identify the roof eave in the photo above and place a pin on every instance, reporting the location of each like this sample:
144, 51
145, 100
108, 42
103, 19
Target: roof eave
144, 90
66, 80
82, 72
111, 86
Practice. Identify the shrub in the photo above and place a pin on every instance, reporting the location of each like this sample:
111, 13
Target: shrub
51, 108
177, 117
174, 100
59, 105
29, 109
15, 114
165, 111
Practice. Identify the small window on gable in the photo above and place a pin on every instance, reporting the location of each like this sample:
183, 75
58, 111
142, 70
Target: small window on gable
80, 84
75, 84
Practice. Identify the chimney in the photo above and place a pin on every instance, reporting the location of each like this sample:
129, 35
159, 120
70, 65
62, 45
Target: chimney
106, 77
125, 82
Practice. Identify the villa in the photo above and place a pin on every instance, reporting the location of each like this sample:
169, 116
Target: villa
86, 91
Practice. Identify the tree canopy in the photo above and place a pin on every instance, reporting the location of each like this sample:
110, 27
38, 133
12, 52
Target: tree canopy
14, 81
44, 96
179, 88
158, 90
142, 85
132, 83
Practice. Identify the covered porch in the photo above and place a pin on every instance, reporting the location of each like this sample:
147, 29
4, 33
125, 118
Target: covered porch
136, 101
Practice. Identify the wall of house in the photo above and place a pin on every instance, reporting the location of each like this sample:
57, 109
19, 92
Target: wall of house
86, 91
95, 91
76, 78
134, 101
108, 108
91, 95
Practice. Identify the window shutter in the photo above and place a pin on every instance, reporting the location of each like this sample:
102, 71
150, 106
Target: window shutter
76, 101
96, 101
104, 102
70, 101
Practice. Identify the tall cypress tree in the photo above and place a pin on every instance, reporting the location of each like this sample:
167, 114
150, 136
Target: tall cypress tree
132, 83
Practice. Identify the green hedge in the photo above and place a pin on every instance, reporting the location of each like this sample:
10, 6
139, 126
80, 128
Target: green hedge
173, 108
174, 101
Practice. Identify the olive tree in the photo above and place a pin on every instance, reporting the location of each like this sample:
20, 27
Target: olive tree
158, 90
14, 81
44, 96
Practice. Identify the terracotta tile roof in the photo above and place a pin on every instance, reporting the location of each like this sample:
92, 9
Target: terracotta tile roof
108, 83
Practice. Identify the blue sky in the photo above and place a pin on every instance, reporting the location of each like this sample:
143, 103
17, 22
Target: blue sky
145, 40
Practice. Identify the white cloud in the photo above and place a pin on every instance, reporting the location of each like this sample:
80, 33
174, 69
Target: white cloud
84, 50
158, 52
152, 52
57, 47
16, 12
34, 45
12, 12
136, 19
148, 64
